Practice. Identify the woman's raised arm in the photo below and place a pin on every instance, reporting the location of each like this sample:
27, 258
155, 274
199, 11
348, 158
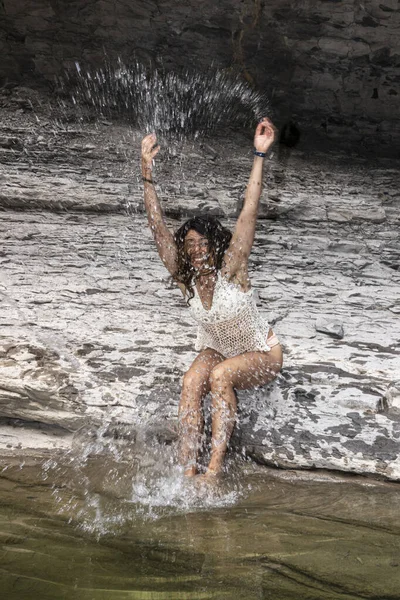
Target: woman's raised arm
162, 235
238, 252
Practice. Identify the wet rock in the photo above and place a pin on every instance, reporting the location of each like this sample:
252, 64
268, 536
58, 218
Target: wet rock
391, 399
368, 214
280, 427
330, 326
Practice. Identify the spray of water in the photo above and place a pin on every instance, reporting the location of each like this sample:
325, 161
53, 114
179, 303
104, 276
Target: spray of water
171, 103
113, 477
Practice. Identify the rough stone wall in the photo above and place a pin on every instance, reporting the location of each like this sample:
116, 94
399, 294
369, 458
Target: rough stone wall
334, 66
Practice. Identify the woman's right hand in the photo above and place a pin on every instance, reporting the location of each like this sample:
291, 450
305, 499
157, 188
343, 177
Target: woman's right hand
149, 150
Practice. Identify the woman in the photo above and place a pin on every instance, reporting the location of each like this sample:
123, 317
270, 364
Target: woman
237, 348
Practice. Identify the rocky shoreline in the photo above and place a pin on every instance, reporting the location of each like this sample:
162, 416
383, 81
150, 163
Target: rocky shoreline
92, 331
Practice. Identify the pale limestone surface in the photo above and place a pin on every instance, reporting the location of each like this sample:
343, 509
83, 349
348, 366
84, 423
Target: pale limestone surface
93, 332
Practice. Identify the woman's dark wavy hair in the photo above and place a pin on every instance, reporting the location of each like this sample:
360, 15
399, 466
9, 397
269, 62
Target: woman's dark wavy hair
218, 238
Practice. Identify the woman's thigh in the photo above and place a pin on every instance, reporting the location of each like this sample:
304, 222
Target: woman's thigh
250, 369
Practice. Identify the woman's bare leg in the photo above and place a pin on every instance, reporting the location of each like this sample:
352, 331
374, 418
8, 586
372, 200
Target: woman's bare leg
242, 372
196, 385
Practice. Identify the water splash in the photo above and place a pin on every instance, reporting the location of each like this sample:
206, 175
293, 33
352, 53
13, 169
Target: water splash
171, 103
109, 481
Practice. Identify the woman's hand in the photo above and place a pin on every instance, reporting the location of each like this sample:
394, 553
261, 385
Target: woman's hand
264, 136
149, 150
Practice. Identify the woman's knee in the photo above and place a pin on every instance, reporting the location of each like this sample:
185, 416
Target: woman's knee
220, 376
196, 380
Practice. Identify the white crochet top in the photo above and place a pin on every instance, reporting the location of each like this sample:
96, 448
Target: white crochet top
233, 324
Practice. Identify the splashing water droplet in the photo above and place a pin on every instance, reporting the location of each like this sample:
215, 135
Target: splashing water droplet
174, 104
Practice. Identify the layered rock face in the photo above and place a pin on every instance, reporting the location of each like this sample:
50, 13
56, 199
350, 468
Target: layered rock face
93, 333
332, 66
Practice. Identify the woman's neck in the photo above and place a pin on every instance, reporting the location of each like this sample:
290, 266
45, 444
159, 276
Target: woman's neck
206, 277
206, 272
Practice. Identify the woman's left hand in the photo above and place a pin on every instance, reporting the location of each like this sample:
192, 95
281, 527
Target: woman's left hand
264, 136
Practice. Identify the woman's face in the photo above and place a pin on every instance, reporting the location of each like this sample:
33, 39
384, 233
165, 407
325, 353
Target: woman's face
198, 251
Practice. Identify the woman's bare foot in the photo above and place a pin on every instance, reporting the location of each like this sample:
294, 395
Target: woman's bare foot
190, 472
212, 473
209, 478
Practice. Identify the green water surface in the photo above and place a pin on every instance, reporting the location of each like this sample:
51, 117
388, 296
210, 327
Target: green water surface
292, 536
